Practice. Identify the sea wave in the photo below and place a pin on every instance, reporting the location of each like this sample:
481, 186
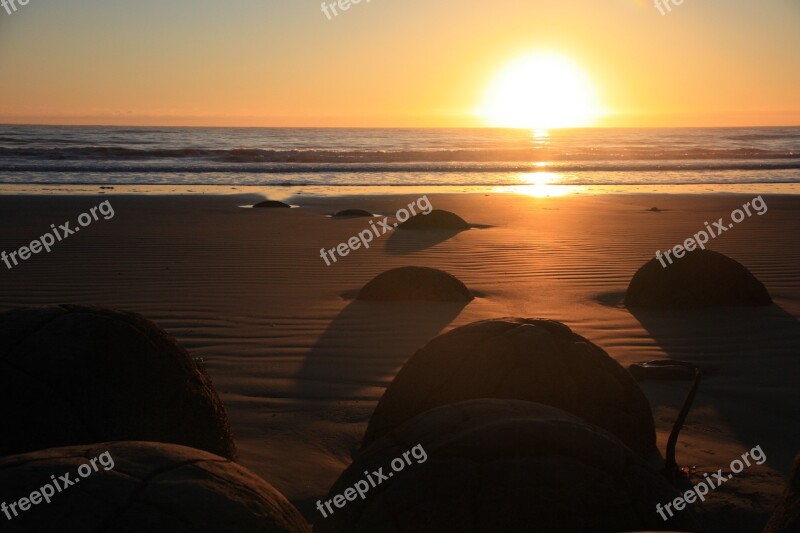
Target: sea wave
253, 155
365, 157
429, 168
398, 180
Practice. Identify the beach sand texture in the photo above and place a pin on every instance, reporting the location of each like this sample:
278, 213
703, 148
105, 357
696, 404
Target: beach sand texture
300, 364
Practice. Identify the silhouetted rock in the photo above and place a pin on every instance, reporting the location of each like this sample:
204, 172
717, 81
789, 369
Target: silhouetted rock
415, 283
142, 486
271, 203
524, 359
501, 465
75, 375
662, 369
701, 278
786, 518
437, 219
350, 213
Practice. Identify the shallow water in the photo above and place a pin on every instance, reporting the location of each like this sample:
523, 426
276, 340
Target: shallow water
396, 157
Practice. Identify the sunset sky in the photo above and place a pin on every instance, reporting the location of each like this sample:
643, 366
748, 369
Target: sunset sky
391, 62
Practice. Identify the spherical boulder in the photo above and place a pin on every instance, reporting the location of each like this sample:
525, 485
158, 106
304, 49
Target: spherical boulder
413, 283
499, 465
701, 278
523, 359
73, 375
139, 486
272, 204
786, 518
437, 219
352, 213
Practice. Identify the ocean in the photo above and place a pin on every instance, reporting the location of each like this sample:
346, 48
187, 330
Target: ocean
95, 155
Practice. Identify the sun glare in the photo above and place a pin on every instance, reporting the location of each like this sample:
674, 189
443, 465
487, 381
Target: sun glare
540, 91
541, 185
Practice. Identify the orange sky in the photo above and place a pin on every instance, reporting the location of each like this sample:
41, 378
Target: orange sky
390, 62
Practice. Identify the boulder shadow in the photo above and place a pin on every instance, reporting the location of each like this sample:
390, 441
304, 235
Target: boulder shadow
366, 344
410, 241
744, 352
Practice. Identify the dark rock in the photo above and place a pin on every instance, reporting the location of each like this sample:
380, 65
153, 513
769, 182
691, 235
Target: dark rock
415, 284
523, 359
437, 219
786, 518
75, 375
701, 278
502, 465
349, 213
142, 486
271, 203
662, 369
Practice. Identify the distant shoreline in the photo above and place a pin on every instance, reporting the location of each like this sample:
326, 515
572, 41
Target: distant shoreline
281, 192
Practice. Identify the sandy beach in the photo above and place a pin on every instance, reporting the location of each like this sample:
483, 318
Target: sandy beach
413, 267
300, 365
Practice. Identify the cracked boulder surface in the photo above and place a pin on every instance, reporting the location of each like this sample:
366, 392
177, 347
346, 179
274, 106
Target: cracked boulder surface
535, 360
76, 375
149, 487
701, 278
502, 465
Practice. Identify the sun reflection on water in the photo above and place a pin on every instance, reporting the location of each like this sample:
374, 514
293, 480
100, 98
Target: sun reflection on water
542, 185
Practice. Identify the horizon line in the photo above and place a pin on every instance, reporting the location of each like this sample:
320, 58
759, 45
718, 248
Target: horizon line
156, 125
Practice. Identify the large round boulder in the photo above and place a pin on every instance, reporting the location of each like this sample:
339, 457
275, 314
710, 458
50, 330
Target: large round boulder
75, 375
413, 283
786, 518
437, 219
701, 278
498, 465
272, 204
353, 213
139, 486
523, 359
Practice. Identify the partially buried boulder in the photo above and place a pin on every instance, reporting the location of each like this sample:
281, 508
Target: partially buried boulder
786, 518
523, 359
74, 375
701, 278
141, 486
272, 203
500, 465
415, 284
352, 213
437, 219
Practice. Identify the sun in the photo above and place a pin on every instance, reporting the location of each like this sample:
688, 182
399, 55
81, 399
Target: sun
542, 90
